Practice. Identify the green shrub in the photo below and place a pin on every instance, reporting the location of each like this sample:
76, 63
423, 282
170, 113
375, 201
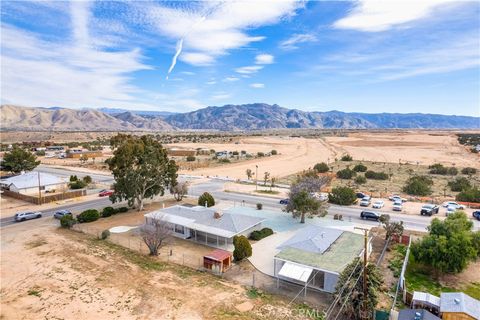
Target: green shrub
360, 168
260, 154
73, 178
77, 184
235, 153
206, 198
108, 211
469, 195
360, 180
122, 209
243, 249
346, 157
191, 158
40, 152
418, 186
260, 234
224, 160
88, 216
459, 184
452, 171
469, 170
438, 168
376, 175
67, 221
346, 173
87, 179
342, 196
259, 206
321, 167
274, 152
105, 234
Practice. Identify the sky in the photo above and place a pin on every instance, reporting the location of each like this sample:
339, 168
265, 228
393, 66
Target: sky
361, 56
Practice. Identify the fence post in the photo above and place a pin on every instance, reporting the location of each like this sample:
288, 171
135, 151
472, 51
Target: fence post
253, 278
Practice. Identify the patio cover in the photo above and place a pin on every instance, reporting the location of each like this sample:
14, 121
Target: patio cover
295, 271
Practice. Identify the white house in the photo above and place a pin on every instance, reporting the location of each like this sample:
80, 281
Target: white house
315, 256
29, 183
206, 225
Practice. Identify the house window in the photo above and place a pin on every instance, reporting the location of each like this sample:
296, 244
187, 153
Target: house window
179, 229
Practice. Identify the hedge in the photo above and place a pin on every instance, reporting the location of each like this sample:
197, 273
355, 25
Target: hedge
376, 175
260, 234
108, 211
88, 216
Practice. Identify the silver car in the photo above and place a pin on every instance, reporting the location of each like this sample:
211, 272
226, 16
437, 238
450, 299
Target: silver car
61, 213
22, 216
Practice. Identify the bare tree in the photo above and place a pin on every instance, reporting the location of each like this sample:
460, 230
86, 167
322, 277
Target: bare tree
249, 174
272, 182
179, 190
266, 176
155, 233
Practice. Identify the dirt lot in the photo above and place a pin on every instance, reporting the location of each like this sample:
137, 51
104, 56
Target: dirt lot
60, 274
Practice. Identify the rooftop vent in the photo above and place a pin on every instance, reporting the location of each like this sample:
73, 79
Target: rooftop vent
456, 300
217, 214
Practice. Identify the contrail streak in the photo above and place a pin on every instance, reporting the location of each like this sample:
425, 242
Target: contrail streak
174, 59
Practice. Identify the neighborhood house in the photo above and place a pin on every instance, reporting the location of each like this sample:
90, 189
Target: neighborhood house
30, 183
206, 225
315, 256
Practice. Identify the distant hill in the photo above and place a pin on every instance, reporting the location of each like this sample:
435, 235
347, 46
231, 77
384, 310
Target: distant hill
146, 113
255, 116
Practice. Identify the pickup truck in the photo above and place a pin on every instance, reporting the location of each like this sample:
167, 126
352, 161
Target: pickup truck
429, 209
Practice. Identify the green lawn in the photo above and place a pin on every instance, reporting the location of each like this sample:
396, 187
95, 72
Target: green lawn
419, 278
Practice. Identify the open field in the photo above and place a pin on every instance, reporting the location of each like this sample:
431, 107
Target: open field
59, 274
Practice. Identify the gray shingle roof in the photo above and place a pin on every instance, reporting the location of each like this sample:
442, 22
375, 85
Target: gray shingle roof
30, 180
459, 302
313, 239
416, 314
231, 223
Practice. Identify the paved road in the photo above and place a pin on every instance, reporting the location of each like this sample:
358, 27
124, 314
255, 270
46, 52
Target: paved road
215, 187
61, 172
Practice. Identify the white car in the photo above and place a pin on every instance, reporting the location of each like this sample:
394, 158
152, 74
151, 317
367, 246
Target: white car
378, 204
396, 198
365, 202
397, 206
450, 210
453, 204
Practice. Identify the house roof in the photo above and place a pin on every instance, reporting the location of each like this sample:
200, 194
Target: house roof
332, 253
203, 219
30, 180
461, 303
218, 255
416, 314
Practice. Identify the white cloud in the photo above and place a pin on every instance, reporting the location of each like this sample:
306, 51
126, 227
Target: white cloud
37, 72
248, 69
264, 59
231, 79
257, 85
211, 82
197, 58
374, 15
211, 29
188, 73
292, 42
220, 96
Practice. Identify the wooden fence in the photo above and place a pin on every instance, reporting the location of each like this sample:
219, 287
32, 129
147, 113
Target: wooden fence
45, 198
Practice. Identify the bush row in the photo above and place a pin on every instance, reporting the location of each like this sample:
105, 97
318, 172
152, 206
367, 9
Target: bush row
90, 215
260, 234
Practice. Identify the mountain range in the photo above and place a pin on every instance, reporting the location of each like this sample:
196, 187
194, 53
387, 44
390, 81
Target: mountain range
256, 116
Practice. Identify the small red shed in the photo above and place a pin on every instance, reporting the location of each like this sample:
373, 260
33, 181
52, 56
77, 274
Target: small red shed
218, 260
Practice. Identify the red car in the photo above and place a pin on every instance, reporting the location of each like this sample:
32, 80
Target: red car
105, 193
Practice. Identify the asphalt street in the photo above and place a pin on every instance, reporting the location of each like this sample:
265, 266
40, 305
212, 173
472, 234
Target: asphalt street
215, 187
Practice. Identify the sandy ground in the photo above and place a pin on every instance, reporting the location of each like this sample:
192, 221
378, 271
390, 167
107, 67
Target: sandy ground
295, 154
423, 147
49, 273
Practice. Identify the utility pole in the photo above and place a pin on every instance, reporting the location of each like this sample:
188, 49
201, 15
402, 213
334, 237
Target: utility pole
39, 189
365, 288
256, 177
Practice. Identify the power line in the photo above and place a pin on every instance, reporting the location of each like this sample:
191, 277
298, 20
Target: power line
339, 296
346, 298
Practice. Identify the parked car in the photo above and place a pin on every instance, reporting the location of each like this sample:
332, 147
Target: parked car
105, 193
369, 215
319, 196
450, 210
397, 206
378, 204
22, 216
476, 215
61, 213
284, 201
361, 195
453, 204
365, 202
397, 198
429, 209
